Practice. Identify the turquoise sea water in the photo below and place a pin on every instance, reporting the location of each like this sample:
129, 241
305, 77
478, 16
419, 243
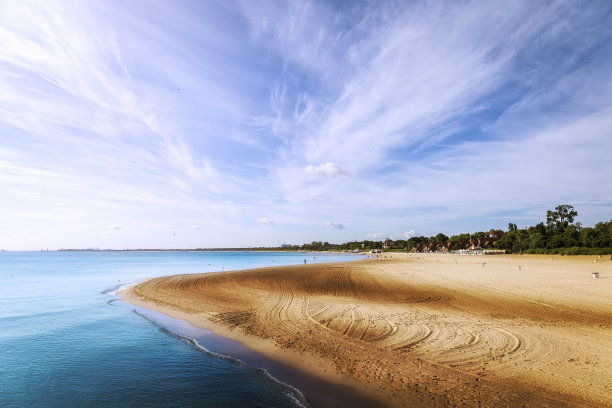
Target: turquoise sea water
66, 342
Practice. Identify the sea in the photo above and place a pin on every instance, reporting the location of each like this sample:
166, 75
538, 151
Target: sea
67, 340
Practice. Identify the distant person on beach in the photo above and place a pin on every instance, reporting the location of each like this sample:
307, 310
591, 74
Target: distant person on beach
304, 260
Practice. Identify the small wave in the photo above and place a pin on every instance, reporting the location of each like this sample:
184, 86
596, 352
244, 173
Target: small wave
113, 290
290, 391
112, 302
293, 393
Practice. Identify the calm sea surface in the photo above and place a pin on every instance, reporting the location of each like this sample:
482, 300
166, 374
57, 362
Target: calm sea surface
66, 342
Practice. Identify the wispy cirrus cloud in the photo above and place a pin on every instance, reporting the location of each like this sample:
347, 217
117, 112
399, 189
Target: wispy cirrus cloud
90, 124
413, 116
427, 115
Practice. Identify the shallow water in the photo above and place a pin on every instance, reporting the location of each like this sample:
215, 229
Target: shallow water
64, 341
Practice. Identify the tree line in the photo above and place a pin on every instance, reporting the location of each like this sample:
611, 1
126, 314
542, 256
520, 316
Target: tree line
558, 235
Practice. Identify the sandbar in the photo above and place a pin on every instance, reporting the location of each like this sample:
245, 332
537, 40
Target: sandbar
415, 330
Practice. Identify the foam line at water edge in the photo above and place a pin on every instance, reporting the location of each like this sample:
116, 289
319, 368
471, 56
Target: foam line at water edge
293, 393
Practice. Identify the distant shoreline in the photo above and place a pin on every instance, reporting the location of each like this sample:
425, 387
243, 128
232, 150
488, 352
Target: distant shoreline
196, 250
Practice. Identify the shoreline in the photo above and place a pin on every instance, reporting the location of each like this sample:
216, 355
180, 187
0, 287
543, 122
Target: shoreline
335, 329
319, 390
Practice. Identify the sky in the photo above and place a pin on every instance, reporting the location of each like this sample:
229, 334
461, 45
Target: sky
208, 124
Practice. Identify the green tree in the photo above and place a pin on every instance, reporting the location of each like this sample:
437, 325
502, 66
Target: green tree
588, 237
522, 241
556, 241
316, 245
540, 229
537, 241
560, 218
571, 236
414, 241
479, 234
603, 235
441, 239
508, 240
459, 241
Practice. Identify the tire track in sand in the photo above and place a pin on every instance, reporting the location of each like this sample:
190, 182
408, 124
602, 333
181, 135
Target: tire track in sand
385, 311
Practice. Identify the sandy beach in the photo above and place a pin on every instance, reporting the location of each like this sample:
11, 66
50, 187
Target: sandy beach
416, 330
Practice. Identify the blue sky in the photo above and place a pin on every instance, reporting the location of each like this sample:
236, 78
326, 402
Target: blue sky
182, 124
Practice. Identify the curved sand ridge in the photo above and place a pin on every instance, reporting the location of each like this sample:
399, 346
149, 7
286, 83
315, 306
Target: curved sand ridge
424, 330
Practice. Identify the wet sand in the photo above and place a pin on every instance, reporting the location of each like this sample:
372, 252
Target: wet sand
419, 330
317, 391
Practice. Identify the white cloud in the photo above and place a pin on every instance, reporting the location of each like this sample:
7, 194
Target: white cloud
264, 221
114, 228
380, 235
196, 228
335, 224
328, 169
406, 235
22, 234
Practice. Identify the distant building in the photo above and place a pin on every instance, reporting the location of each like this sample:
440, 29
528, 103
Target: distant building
493, 252
496, 234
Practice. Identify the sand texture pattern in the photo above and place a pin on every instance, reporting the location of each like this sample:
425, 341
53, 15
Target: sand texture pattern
422, 330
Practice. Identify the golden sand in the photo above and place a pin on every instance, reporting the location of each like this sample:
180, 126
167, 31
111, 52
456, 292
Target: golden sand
420, 330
